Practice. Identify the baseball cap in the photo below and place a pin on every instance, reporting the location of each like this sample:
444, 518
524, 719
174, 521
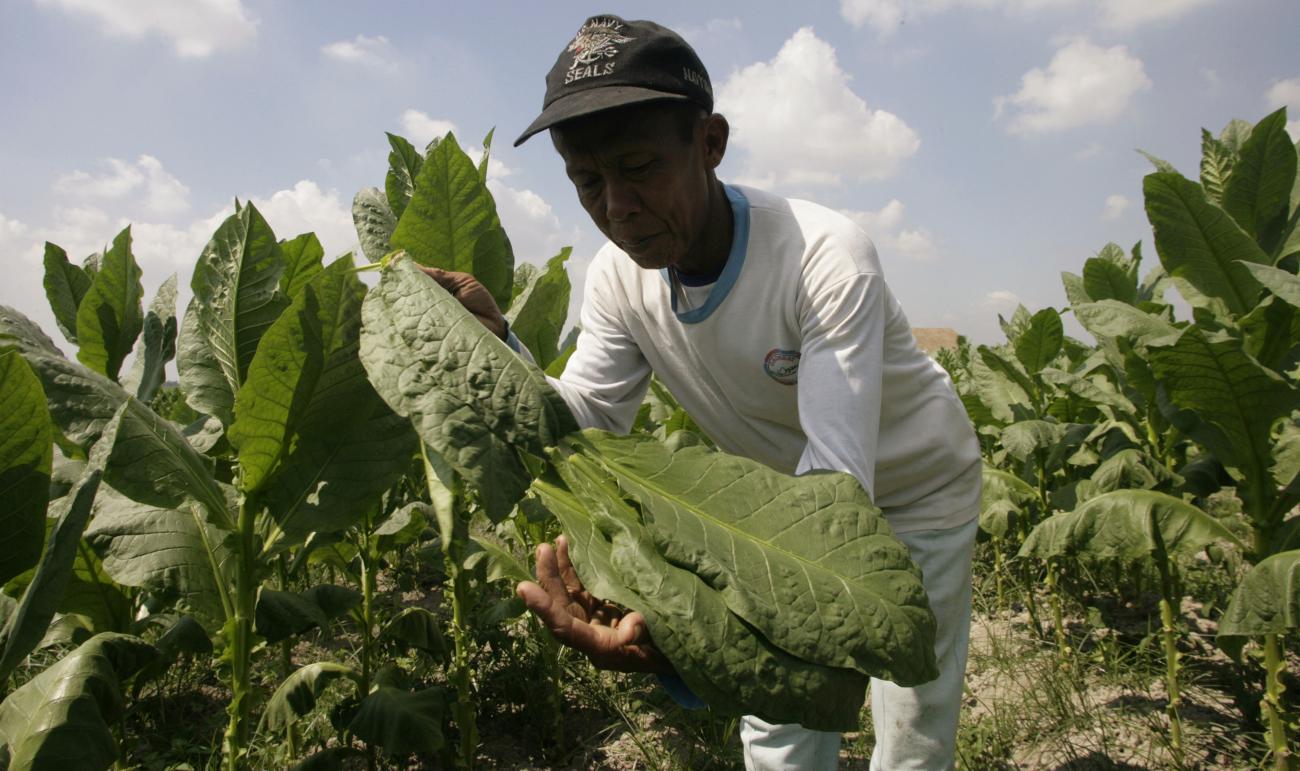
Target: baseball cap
612, 62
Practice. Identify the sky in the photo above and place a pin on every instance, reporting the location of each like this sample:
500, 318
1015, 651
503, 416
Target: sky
985, 145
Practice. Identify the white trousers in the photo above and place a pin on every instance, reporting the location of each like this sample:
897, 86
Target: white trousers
916, 728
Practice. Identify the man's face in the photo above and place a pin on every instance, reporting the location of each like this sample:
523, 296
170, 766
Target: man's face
643, 183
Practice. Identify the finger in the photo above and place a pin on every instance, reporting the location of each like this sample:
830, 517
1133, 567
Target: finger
540, 602
548, 575
631, 629
570, 576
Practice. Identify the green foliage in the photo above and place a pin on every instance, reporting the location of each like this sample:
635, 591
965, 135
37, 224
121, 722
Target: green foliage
110, 317
62, 717
26, 451
468, 395
451, 222
236, 298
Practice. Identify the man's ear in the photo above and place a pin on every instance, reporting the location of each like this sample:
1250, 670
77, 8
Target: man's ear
716, 132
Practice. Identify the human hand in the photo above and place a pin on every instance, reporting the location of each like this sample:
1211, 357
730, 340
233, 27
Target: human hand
608, 635
472, 295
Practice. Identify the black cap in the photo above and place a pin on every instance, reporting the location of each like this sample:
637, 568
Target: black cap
611, 63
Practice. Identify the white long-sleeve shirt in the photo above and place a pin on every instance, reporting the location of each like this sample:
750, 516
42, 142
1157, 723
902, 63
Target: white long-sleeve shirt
798, 356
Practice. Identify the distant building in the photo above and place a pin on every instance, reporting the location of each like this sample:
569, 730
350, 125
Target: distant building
931, 339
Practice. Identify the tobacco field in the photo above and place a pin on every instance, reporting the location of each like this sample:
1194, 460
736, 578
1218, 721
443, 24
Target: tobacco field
302, 552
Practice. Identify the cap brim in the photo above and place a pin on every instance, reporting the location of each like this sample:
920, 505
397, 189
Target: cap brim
592, 101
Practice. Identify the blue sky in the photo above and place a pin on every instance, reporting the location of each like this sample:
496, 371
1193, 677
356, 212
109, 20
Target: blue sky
985, 145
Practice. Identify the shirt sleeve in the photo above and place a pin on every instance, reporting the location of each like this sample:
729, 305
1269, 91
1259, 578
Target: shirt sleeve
605, 380
841, 375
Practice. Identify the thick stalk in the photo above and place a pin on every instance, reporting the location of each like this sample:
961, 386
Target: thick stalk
1058, 621
451, 526
286, 653
465, 711
997, 571
1168, 634
367, 624
239, 638
1272, 706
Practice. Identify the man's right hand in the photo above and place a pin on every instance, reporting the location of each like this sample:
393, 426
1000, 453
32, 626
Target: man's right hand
473, 296
607, 634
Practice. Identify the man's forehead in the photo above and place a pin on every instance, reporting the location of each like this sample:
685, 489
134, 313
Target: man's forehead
639, 125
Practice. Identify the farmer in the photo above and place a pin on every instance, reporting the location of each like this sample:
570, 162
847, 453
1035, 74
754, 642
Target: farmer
770, 321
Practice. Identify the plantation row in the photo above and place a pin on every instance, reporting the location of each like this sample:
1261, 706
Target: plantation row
330, 446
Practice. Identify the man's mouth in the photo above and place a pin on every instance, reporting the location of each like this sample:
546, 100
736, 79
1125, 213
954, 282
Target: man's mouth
637, 244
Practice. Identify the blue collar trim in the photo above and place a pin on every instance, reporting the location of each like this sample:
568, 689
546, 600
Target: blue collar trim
730, 271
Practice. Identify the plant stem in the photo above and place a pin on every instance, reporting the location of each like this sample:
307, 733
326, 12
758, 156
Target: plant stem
1058, 623
367, 622
461, 675
1272, 706
239, 631
286, 654
1168, 630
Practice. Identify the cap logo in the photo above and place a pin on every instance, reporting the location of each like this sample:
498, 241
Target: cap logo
594, 45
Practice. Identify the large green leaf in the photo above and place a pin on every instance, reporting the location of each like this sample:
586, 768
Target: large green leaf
721, 658
1023, 438
1111, 318
1267, 601
1125, 525
235, 299
173, 552
63, 717
1280, 282
65, 286
796, 557
1200, 244
80, 400
1009, 367
151, 462
305, 376
451, 222
26, 453
150, 368
400, 721
1108, 280
1003, 495
1075, 292
280, 615
404, 164
417, 627
374, 221
316, 443
1222, 398
302, 261
298, 694
1002, 396
27, 624
1258, 192
537, 315
1041, 342
467, 394
1216, 165
110, 316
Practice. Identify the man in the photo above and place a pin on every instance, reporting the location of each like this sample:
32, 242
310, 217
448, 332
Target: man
770, 322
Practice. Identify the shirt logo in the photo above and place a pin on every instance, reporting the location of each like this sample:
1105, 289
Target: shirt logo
782, 366
594, 45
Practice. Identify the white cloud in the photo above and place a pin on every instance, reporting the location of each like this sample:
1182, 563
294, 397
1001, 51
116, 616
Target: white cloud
305, 207
195, 28
536, 233
1000, 301
1286, 93
888, 16
801, 125
1127, 14
885, 228
374, 52
422, 129
159, 193
1115, 205
713, 30
1083, 84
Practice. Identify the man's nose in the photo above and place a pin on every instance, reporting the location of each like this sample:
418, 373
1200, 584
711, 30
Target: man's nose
621, 200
